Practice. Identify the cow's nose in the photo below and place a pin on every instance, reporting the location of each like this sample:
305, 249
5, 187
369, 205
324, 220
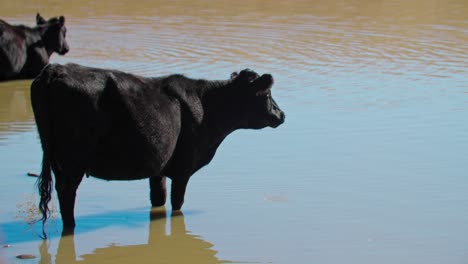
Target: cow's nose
282, 117
65, 50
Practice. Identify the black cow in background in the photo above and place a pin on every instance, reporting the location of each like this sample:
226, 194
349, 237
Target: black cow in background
117, 126
24, 51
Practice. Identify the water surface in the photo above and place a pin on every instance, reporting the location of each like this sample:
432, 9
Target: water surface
370, 166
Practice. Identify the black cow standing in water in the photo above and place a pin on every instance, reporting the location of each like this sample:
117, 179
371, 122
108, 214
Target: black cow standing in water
24, 51
117, 126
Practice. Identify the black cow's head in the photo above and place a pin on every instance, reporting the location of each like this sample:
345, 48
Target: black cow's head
54, 34
257, 107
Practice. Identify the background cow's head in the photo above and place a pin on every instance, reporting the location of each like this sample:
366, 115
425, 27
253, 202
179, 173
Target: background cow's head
54, 33
254, 100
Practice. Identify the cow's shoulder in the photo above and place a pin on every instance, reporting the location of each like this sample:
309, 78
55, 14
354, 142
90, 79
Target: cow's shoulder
186, 91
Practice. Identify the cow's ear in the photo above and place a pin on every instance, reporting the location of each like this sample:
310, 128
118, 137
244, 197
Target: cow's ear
62, 20
263, 84
189, 100
40, 20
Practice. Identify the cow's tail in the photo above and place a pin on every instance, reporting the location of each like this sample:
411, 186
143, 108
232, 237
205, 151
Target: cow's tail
40, 100
44, 184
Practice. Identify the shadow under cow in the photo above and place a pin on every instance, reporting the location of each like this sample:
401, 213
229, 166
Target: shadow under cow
178, 243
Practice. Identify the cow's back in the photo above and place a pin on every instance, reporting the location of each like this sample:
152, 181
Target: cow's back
12, 50
114, 123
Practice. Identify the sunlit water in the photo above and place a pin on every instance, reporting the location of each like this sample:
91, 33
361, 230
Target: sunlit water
370, 166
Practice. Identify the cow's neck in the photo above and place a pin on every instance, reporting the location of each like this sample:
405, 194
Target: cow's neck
37, 57
218, 121
41, 30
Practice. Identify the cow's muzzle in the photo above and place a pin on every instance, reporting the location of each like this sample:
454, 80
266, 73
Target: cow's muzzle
64, 50
277, 116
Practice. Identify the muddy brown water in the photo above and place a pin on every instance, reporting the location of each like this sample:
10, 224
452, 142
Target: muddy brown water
370, 166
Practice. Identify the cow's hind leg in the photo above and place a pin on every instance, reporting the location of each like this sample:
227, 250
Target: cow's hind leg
158, 190
66, 184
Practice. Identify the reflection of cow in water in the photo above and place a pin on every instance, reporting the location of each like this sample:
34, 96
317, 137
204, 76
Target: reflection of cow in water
179, 246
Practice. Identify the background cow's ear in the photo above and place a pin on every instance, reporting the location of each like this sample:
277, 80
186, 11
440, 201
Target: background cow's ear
62, 20
40, 20
189, 100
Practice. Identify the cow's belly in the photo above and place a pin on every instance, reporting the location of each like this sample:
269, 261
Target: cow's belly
118, 175
123, 160
121, 167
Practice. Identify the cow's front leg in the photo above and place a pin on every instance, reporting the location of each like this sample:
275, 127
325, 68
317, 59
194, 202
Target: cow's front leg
178, 192
158, 190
